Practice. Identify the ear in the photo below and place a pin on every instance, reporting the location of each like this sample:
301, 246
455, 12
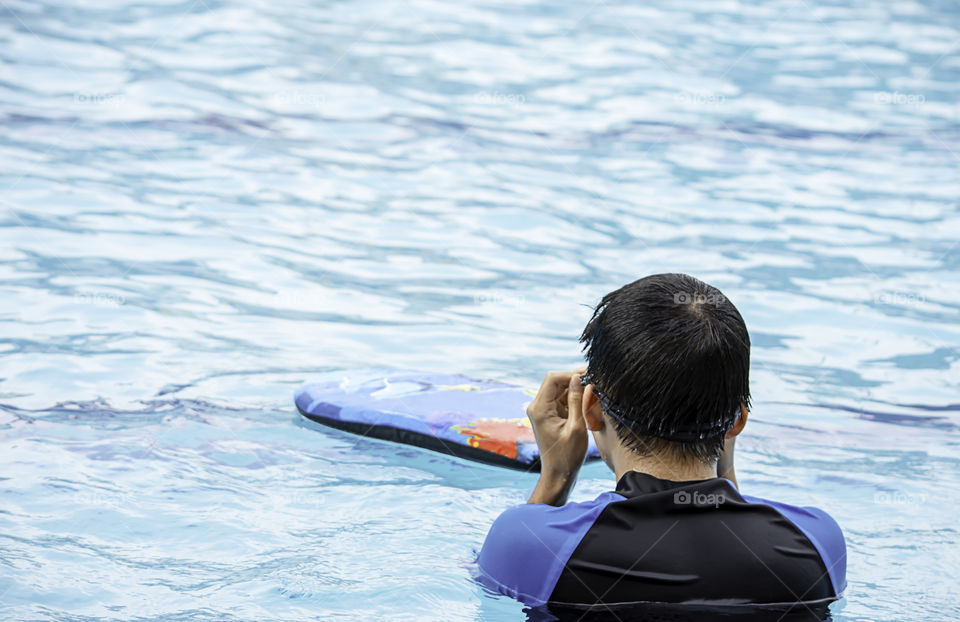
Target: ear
592, 412
739, 424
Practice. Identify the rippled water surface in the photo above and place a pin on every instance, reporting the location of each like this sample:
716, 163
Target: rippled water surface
204, 203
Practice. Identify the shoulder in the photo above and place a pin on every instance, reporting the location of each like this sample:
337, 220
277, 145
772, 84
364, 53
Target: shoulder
532, 527
528, 546
823, 532
807, 518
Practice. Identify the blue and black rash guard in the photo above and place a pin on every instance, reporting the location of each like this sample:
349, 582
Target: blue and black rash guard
654, 540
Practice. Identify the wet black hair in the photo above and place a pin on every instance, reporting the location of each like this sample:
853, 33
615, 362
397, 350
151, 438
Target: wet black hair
669, 356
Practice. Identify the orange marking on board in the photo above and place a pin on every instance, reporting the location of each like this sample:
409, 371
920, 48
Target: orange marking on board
499, 436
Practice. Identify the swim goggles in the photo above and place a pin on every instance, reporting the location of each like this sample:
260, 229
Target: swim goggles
659, 429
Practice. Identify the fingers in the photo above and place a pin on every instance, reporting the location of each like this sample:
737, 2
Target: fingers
558, 423
575, 404
552, 397
550, 386
561, 404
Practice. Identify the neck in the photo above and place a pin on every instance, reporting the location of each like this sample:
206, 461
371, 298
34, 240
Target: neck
662, 468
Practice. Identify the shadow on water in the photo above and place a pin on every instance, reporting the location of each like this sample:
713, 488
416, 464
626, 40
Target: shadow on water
939, 422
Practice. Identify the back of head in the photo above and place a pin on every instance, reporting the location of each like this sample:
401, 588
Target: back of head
670, 358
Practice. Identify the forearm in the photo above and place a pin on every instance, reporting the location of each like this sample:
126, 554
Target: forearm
561, 433
553, 488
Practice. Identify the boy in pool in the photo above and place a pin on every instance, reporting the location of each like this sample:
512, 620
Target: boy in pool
665, 393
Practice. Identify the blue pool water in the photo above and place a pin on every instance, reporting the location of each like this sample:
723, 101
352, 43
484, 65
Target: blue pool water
204, 203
